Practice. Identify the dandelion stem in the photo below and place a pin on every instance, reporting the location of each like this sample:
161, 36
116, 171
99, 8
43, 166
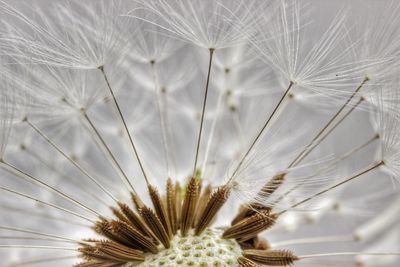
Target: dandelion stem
102, 145
213, 127
312, 240
355, 150
41, 260
108, 152
368, 169
211, 50
31, 238
330, 131
49, 165
315, 142
53, 237
332, 164
349, 254
33, 213
47, 204
161, 114
28, 177
104, 148
80, 168
121, 116
38, 247
262, 130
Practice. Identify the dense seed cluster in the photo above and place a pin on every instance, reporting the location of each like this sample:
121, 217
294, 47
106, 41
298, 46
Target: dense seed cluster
177, 231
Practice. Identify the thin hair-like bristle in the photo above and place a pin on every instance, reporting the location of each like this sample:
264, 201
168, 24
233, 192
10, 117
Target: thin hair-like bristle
271, 257
189, 205
214, 204
251, 226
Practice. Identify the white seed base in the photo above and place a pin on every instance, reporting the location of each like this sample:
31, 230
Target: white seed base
206, 250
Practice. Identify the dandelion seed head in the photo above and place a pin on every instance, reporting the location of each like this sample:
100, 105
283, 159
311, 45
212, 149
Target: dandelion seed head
198, 133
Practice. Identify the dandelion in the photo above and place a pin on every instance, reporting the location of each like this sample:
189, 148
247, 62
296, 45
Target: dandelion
198, 133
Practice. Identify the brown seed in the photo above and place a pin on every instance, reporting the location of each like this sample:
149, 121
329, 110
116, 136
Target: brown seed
98, 263
271, 257
266, 191
119, 252
136, 200
189, 205
251, 226
201, 205
254, 243
272, 185
117, 213
136, 238
103, 227
178, 198
136, 221
155, 225
214, 204
171, 206
160, 209
248, 210
110, 251
244, 262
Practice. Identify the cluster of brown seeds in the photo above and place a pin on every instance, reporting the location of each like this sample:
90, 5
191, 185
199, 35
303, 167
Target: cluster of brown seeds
133, 234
